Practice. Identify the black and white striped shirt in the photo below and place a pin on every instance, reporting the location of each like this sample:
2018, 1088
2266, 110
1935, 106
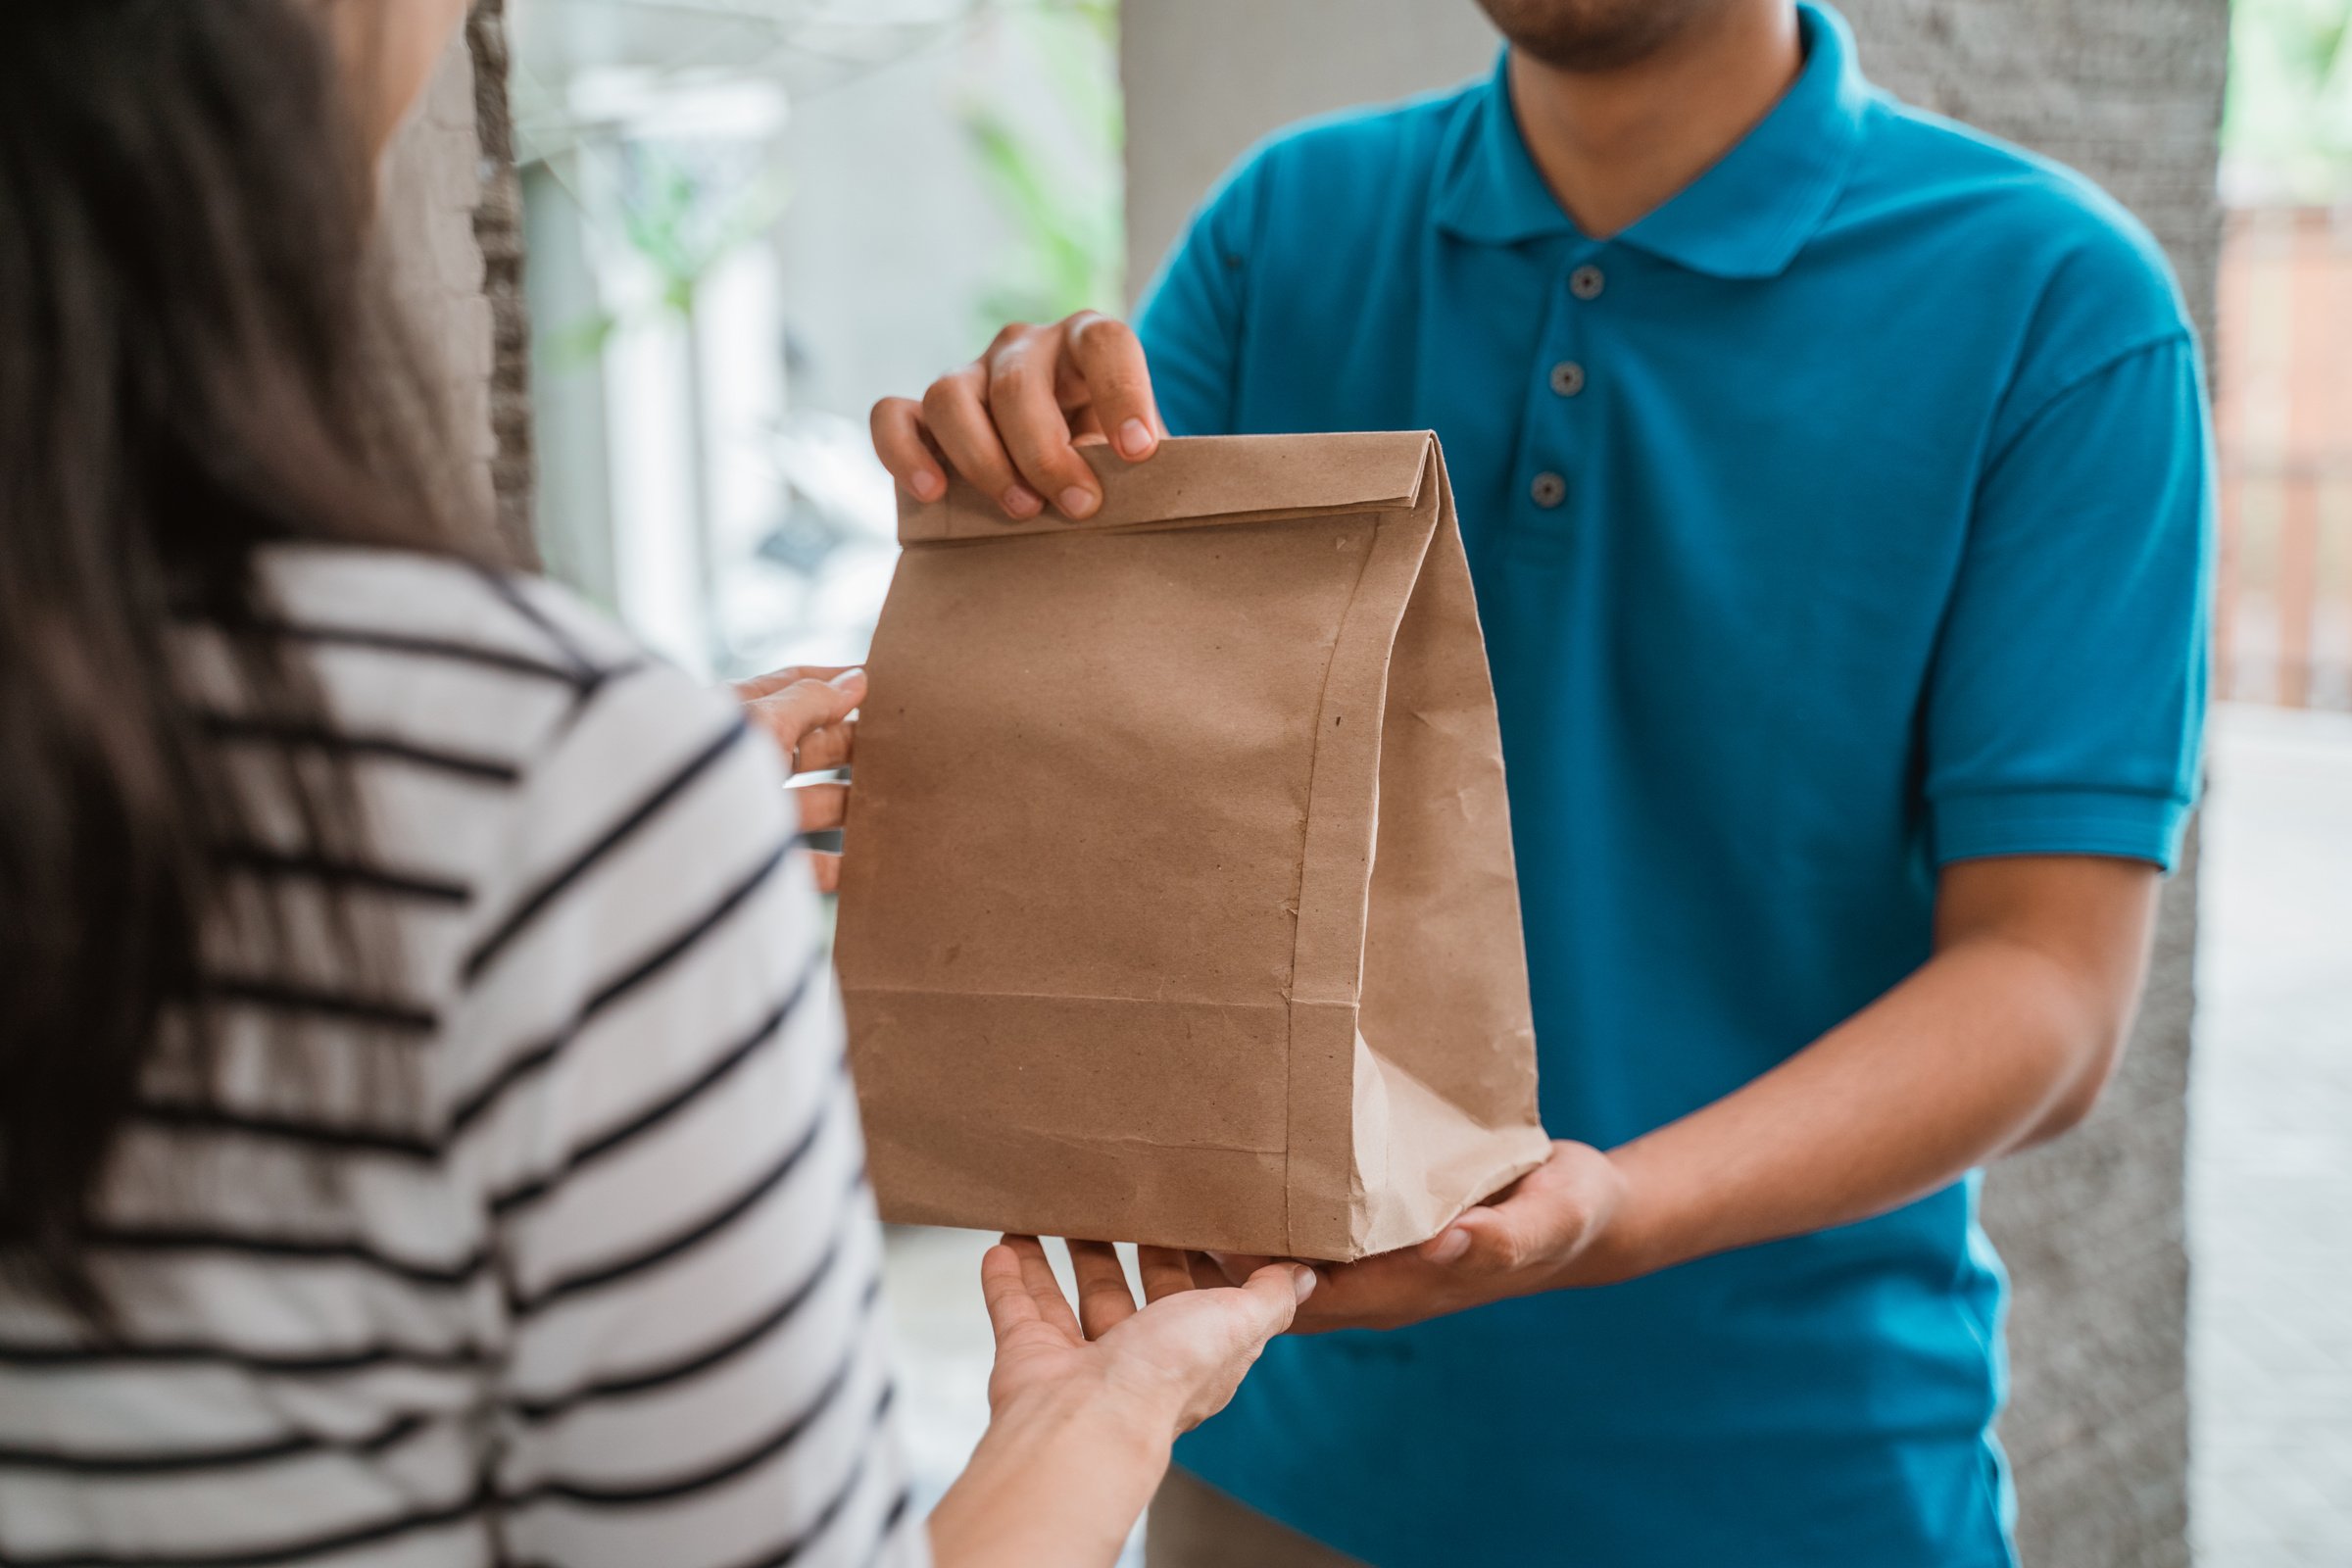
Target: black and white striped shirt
560, 1253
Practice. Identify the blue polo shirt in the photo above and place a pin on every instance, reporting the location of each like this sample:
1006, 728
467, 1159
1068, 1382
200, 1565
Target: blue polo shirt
1844, 518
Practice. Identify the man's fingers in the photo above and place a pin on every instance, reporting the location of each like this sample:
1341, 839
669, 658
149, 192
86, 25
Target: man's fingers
955, 410
897, 426
1538, 1219
1109, 360
1021, 374
1005, 422
1104, 1301
827, 870
1481, 1241
1495, 1238
1166, 1272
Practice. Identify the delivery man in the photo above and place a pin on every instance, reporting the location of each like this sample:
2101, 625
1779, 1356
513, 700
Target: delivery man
1834, 481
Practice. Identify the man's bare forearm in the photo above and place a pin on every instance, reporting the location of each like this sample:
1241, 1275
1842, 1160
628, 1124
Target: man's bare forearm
2000, 1041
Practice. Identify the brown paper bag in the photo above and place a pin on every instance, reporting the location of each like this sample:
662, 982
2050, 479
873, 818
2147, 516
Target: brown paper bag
1178, 904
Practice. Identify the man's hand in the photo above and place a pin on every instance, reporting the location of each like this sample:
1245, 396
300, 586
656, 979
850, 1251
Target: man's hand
1563, 1224
1010, 420
807, 711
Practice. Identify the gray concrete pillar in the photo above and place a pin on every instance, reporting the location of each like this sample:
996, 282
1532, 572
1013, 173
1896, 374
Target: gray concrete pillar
2128, 91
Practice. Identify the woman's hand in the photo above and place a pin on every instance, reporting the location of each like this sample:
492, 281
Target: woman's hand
806, 711
1172, 1364
1010, 420
1084, 1406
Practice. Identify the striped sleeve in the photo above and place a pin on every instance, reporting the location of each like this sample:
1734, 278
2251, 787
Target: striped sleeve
649, 1098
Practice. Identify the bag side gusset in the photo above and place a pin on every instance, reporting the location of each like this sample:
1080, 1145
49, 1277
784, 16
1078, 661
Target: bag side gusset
1445, 1078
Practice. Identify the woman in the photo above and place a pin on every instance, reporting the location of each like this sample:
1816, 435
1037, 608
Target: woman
424, 1138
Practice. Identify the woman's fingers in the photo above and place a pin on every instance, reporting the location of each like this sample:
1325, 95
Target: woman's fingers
1264, 1307
897, 426
1043, 1288
806, 711
826, 748
821, 806
792, 715
1278, 1289
775, 680
1236, 1267
1104, 1300
1228, 1333
1255, 1274
957, 413
1108, 360
1011, 1307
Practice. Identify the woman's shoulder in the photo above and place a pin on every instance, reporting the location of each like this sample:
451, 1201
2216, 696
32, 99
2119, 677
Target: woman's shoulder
597, 803
504, 709
427, 643
511, 619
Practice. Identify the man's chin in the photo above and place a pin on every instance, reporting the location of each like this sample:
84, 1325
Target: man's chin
1592, 36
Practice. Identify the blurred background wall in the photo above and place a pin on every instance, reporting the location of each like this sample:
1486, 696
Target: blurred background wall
746, 222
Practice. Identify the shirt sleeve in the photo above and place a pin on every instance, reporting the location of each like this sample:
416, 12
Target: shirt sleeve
1190, 319
661, 1127
2065, 709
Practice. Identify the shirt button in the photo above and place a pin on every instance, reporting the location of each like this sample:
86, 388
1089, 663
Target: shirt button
1548, 490
1586, 283
1567, 378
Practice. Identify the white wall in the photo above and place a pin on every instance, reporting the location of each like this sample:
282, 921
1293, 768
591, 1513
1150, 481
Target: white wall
870, 282
892, 236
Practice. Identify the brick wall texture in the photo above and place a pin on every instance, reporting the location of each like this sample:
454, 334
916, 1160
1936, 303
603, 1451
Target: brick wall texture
451, 224
2130, 92
498, 231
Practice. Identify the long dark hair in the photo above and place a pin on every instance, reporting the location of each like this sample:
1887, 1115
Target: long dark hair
195, 360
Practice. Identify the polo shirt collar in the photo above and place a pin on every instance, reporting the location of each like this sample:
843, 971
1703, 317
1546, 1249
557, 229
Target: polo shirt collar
1746, 217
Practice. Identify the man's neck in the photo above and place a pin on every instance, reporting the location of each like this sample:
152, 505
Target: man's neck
1614, 145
